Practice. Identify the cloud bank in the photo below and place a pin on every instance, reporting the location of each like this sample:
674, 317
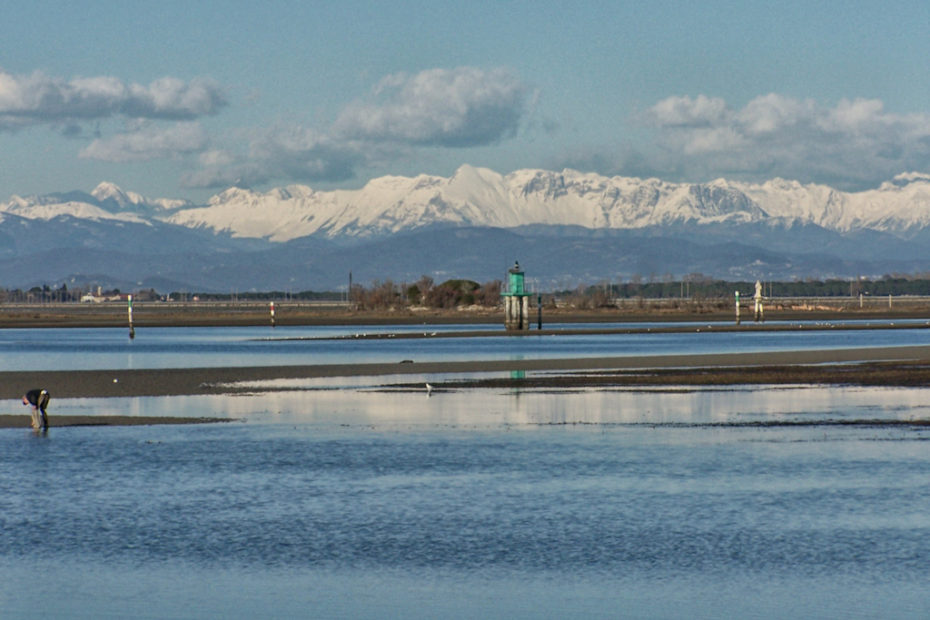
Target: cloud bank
855, 143
148, 142
852, 144
292, 153
452, 108
459, 107
40, 99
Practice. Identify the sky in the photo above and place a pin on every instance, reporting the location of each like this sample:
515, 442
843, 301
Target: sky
185, 99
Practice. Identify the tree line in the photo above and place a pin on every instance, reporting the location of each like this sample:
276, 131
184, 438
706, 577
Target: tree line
463, 292
425, 292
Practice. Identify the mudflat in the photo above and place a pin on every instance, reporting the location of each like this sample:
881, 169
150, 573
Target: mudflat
23, 421
906, 365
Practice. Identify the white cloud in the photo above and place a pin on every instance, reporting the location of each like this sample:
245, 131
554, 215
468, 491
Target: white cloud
852, 144
439, 107
216, 158
149, 142
770, 113
239, 174
687, 112
299, 153
37, 99
291, 153
174, 99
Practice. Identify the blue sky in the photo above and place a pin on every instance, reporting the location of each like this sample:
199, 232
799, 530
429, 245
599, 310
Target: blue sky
184, 99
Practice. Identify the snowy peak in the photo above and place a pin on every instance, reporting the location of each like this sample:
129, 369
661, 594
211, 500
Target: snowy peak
106, 202
278, 215
110, 196
111, 193
75, 206
481, 197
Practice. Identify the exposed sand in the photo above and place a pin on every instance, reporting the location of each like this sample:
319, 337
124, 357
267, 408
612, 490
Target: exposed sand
23, 421
192, 381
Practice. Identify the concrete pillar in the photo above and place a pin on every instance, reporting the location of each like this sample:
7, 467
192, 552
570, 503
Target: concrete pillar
517, 311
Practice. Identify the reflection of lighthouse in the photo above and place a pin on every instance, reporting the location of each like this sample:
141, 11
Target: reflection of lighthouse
516, 300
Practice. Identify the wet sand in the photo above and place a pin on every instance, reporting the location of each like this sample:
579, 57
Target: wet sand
908, 365
23, 421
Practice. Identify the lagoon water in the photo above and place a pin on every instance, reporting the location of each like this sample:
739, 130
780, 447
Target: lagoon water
347, 499
167, 347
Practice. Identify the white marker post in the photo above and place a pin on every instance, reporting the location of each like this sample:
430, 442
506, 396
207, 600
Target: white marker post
132, 331
272, 315
757, 299
737, 307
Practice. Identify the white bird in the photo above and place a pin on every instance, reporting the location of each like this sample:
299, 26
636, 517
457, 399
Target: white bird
429, 389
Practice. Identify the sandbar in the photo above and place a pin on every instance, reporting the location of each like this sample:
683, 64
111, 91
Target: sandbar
221, 380
22, 421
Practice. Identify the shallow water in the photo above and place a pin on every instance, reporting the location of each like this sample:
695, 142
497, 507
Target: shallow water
169, 347
348, 500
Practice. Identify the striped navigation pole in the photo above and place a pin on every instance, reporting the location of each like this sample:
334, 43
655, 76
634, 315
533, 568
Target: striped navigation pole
132, 330
737, 307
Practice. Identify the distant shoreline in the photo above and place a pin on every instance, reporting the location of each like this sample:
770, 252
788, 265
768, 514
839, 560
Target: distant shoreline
232, 314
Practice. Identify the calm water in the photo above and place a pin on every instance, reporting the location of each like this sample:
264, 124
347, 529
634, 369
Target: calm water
349, 499
110, 348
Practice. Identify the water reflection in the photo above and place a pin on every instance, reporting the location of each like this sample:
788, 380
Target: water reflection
325, 402
352, 500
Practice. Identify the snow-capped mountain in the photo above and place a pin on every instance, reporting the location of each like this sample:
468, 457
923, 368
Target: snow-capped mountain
566, 224
483, 198
105, 202
111, 196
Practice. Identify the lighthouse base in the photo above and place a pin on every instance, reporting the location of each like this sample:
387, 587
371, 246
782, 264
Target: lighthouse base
517, 312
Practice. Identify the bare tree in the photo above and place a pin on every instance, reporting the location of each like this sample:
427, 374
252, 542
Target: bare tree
489, 294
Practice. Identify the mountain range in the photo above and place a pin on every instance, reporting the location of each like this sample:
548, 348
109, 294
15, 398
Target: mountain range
565, 228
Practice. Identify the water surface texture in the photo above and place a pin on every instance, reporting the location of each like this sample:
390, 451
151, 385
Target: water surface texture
351, 501
171, 347
352, 497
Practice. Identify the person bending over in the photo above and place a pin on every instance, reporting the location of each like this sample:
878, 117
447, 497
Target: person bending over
39, 401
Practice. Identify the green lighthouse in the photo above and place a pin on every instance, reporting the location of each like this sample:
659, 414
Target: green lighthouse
516, 300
